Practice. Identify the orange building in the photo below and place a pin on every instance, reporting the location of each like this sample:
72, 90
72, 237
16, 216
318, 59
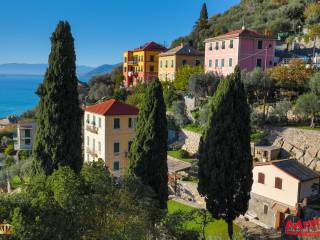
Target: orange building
141, 64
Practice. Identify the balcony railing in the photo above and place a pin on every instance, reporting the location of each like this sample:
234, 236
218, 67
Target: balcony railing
92, 129
132, 62
92, 152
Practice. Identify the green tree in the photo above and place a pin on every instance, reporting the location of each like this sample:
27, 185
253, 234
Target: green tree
202, 85
136, 98
183, 74
58, 138
314, 83
225, 164
148, 153
281, 110
169, 93
308, 105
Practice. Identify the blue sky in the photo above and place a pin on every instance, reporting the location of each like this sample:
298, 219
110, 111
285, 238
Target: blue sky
102, 29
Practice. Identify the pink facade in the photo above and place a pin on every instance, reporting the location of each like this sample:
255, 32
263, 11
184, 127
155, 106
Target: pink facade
244, 47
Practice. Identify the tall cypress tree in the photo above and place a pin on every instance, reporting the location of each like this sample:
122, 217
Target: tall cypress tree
225, 164
148, 153
203, 19
58, 138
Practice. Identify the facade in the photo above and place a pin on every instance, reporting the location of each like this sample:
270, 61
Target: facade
108, 133
171, 60
25, 136
141, 64
243, 47
266, 153
279, 187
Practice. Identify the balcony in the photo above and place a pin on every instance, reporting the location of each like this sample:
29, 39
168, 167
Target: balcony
133, 62
92, 152
92, 128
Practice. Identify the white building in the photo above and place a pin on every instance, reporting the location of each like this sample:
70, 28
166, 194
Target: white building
278, 188
25, 136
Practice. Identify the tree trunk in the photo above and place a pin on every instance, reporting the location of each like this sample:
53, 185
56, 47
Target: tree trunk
8, 183
312, 125
230, 228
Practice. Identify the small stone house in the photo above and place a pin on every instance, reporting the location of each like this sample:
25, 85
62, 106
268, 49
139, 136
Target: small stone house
279, 188
266, 153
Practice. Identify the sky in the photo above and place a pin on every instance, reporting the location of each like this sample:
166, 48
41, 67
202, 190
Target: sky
102, 29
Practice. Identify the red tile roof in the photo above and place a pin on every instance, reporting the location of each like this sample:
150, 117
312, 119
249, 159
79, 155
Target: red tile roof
151, 46
243, 33
112, 107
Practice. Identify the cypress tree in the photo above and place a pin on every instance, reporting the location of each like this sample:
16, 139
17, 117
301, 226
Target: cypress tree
148, 153
58, 137
203, 19
225, 164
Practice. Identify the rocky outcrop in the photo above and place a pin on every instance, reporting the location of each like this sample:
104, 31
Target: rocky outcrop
190, 141
304, 145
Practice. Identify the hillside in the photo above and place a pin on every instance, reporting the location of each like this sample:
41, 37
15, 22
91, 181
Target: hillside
106, 68
266, 16
34, 69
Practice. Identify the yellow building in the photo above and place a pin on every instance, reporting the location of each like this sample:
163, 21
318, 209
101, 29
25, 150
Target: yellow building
141, 64
108, 133
171, 60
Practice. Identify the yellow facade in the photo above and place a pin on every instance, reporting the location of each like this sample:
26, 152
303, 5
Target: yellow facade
169, 64
103, 140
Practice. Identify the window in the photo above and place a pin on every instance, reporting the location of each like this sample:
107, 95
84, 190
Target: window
223, 45
184, 62
141, 68
125, 59
93, 120
160, 76
99, 146
259, 62
230, 62
270, 45
270, 63
172, 63
160, 63
131, 122
27, 141
210, 63
27, 133
99, 122
88, 118
116, 123
166, 65
231, 44
129, 145
93, 144
116, 148
278, 183
265, 209
124, 69
88, 141
116, 166
217, 63
151, 68
88, 157
151, 58
210, 47
172, 76
222, 62
198, 62
217, 45
142, 58
259, 44
261, 178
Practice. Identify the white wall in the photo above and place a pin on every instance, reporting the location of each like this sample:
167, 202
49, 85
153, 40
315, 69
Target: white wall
290, 186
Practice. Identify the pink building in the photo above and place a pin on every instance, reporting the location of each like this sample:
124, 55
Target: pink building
247, 48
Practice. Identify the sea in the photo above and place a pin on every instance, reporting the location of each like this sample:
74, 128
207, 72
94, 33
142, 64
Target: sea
17, 93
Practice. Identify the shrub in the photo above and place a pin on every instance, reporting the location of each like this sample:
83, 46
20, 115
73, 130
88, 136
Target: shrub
183, 153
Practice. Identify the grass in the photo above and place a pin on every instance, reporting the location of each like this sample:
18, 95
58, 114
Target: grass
214, 230
16, 181
305, 127
193, 128
176, 154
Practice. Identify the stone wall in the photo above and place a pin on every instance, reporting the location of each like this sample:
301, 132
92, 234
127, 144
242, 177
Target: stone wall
304, 145
190, 141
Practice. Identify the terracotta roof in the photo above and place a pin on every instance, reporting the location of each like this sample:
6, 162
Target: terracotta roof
151, 46
112, 107
293, 168
184, 50
241, 33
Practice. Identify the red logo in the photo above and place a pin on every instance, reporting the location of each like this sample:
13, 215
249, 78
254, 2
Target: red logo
303, 228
